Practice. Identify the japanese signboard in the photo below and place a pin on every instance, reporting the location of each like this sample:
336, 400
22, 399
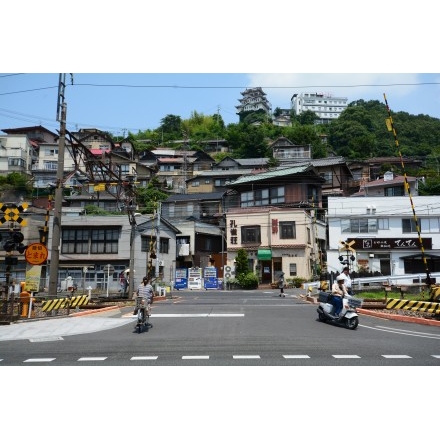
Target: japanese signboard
36, 253
390, 243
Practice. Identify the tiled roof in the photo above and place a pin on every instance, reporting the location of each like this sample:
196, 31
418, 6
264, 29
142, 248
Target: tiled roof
195, 196
279, 172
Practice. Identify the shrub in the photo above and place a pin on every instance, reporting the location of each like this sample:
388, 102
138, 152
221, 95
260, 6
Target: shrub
248, 281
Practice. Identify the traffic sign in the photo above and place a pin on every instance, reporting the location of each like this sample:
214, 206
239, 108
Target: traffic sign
36, 253
347, 246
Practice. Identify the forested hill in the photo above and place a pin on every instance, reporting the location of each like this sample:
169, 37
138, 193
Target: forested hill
361, 132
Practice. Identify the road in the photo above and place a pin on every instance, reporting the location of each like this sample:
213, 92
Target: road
212, 328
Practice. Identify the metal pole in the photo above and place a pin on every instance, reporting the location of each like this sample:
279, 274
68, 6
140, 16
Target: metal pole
131, 272
56, 227
108, 276
158, 238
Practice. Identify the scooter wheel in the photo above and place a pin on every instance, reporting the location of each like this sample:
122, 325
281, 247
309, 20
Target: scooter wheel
352, 323
321, 317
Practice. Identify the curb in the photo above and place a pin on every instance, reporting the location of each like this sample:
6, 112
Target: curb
109, 308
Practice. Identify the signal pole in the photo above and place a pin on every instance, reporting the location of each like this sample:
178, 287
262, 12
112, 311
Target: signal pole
56, 228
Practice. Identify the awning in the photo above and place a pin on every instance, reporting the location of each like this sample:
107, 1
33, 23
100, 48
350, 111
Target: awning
264, 254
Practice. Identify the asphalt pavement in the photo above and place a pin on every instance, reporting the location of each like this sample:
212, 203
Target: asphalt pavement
90, 321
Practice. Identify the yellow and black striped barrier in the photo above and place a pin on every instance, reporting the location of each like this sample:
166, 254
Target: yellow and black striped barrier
64, 303
435, 293
416, 306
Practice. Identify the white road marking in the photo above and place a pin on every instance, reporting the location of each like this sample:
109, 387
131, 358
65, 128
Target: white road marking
296, 356
143, 358
252, 356
47, 339
197, 315
92, 359
40, 360
195, 357
437, 356
396, 356
403, 332
346, 356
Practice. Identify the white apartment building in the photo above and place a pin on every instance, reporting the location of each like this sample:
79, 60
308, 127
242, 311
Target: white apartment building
326, 106
16, 154
383, 233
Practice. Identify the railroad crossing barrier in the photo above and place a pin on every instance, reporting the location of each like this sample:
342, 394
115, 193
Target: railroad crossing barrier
416, 306
64, 303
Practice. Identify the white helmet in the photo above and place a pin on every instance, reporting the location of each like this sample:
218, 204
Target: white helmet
340, 278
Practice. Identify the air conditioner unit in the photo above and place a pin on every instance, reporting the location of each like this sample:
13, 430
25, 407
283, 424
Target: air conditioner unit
161, 263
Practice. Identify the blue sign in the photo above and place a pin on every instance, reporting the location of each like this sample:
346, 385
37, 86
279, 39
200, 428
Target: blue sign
210, 277
181, 279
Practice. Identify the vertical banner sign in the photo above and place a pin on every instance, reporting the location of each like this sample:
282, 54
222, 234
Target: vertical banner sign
33, 277
210, 277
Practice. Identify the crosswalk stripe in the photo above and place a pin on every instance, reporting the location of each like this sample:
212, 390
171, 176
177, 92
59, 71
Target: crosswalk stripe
346, 356
195, 357
396, 356
296, 356
40, 360
92, 359
252, 356
143, 358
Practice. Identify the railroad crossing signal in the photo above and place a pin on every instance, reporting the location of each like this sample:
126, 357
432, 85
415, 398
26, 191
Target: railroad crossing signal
12, 213
347, 246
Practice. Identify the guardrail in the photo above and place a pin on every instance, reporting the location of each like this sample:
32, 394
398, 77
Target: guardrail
397, 280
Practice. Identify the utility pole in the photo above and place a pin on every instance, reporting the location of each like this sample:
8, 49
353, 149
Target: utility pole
56, 228
159, 205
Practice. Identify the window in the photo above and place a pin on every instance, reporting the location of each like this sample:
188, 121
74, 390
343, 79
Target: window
359, 225
383, 223
250, 234
287, 230
195, 183
104, 241
408, 225
164, 245
328, 176
75, 241
16, 162
124, 169
309, 237
430, 224
262, 197
394, 191
292, 269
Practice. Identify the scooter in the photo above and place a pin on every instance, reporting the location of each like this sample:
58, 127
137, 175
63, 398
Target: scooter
348, 316
143, 314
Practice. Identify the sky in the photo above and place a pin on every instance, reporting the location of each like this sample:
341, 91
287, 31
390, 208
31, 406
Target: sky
133, 102
288, 47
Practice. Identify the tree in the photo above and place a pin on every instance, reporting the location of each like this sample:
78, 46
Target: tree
241, 263
171, 127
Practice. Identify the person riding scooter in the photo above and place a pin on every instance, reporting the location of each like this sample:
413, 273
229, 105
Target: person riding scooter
338, 292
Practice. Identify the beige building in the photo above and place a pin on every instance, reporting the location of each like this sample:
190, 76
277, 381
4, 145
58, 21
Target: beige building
276, 239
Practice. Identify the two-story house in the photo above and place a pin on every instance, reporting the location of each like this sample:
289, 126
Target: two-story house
93, 242
389, 185
276, 216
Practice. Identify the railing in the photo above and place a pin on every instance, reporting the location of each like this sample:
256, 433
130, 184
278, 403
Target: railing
401, 280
